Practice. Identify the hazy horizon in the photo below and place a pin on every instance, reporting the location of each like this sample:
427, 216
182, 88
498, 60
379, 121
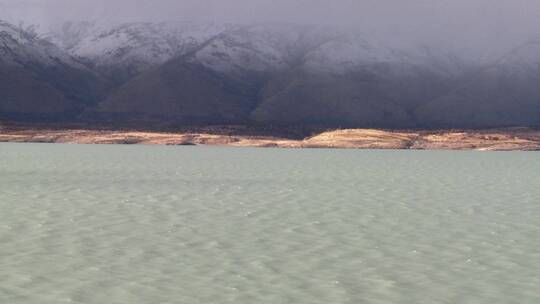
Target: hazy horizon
479, 25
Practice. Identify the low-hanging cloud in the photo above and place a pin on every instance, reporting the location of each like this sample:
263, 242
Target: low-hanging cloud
480, 24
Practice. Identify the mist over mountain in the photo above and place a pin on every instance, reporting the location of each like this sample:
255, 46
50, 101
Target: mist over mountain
470, 27
39, 80
128, 66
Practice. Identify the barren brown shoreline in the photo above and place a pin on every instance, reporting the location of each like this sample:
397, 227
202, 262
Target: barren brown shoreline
511, 139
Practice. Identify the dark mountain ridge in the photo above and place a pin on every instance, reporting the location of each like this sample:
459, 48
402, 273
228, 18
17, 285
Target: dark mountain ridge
153, 75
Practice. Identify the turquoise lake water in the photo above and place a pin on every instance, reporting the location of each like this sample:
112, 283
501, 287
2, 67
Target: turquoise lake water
158, 224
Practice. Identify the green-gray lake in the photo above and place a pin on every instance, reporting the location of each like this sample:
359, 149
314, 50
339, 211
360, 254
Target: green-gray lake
157, 224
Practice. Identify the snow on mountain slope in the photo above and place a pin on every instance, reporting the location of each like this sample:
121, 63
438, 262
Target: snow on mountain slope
19, 47
136, 47
223, 48
283, 74
246, 49
39, 80
346, 53
68, 35
139, 45
264, 48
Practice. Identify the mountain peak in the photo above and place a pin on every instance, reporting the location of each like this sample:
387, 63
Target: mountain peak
189, 72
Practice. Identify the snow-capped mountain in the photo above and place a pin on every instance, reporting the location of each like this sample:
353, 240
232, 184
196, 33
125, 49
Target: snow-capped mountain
20, 47
186, 72
123, 51
39, 78
250, 48
132, 47
223, 48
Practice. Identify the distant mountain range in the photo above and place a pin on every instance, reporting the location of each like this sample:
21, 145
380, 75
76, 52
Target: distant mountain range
168, 74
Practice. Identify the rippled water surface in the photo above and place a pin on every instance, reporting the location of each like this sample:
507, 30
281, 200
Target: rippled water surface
151, 224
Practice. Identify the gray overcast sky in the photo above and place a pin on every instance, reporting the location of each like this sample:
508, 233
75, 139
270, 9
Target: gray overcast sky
481, 23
